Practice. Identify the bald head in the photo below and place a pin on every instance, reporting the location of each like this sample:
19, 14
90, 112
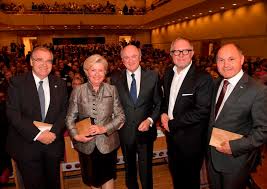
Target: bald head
131, 57
229, 60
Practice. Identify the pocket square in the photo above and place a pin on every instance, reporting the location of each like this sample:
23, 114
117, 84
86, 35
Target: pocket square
187, 94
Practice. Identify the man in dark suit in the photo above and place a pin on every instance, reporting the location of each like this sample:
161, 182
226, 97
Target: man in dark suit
37, 96
140, 96
242, 110
186, 109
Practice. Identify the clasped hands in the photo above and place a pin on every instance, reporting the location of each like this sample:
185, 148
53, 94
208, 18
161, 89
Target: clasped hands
92, 131
46, 137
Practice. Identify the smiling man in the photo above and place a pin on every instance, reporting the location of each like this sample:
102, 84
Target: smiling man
238, 105
185, 115
140, 96
37, 96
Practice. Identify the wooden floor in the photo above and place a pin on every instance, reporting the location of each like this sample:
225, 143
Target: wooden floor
161, 177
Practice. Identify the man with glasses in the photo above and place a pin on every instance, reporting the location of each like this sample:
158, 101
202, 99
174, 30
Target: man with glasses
140, 96
185, 115
36, 109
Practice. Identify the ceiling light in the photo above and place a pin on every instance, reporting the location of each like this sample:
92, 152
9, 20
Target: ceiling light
186, 17
249, 0
200, 13
221, 7
210, 10
193, 15
234, 4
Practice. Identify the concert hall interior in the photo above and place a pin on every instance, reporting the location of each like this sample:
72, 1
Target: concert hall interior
75, 29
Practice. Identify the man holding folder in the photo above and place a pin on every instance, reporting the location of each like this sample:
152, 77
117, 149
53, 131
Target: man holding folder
36, 109
238, 124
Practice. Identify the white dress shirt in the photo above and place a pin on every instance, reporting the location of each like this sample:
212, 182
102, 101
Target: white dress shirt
137, 76
232, 83
177, 81
46, 94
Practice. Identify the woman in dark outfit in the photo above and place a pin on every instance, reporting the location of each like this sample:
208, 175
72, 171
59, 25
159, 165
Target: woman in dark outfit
100, 102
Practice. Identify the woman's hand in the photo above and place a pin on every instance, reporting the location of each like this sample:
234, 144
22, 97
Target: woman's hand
97, 130
82, 138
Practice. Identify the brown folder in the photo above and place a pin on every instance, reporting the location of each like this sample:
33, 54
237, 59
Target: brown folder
83, 125
219, 135
42, 126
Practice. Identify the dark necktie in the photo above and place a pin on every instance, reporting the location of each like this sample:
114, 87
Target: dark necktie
220, 99
42, 99
133, 91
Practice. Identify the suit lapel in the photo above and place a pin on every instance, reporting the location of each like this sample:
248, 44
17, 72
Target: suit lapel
213, 102
53, 96
186, 84
143, 83
168, 84
33, 95
235, 94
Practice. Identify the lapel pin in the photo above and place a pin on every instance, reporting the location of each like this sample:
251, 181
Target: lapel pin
55, 86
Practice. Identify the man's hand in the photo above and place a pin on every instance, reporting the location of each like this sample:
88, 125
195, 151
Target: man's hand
46, 137
144, 126
225, 148
164, 121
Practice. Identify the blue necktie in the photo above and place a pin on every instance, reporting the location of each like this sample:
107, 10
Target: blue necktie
42, 99
133, 91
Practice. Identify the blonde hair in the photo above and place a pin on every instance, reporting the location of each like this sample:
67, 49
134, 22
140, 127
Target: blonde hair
95, 59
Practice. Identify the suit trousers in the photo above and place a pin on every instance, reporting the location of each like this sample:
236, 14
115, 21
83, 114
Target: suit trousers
145, 155
42, 172
185, 172
236, 179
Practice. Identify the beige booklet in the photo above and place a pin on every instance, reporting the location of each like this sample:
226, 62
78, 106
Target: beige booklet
83, 125
219, 135
42, 126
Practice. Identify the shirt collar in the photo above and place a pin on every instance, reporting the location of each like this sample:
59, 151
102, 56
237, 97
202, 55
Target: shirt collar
137, 72
234, 80
37, 79
184, 71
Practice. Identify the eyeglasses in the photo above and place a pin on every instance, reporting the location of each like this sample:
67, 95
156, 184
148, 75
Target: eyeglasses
40, 60
178, 52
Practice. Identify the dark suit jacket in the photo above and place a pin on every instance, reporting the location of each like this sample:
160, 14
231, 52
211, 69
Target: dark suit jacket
245, 113
147, 105
23, 107
191, 111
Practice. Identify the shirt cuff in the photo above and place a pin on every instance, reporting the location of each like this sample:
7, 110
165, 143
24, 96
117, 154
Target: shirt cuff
35, 138
151, 121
